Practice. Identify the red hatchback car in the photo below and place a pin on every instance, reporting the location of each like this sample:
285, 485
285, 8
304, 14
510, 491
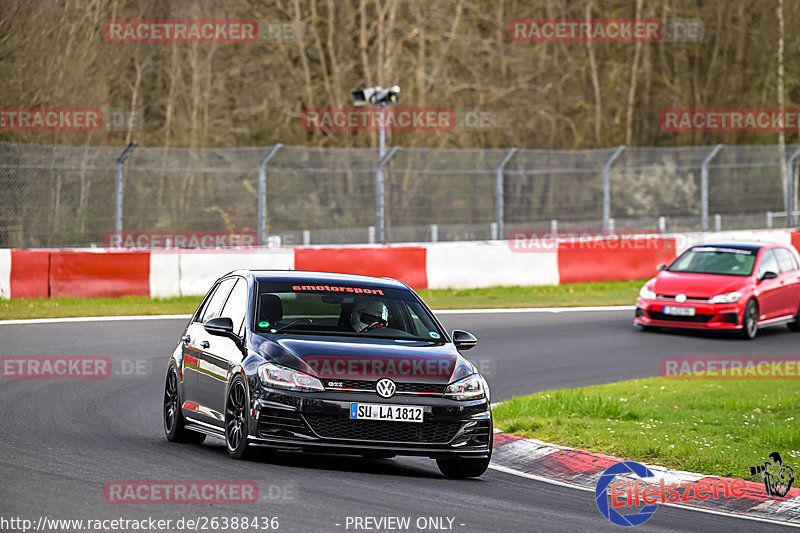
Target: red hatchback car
724, 286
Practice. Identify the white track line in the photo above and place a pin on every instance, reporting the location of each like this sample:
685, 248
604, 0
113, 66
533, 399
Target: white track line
441, 312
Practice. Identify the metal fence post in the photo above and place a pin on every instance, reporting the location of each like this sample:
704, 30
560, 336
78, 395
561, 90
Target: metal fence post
118, 185
704, 187
790, 189
380, 197
499, 199
262, 194
607, 188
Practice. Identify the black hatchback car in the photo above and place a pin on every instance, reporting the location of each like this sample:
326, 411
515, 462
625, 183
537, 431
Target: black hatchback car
327, 363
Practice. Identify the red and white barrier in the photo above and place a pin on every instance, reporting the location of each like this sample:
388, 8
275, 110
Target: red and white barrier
463, 265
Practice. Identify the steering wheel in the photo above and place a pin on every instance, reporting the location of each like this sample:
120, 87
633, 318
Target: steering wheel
374, 325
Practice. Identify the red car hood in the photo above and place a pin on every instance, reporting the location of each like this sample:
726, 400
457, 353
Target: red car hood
697, 285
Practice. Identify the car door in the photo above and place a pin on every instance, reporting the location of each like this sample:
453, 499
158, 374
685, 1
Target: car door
789, 281
769, 290
201, 344
217, 360
191, 349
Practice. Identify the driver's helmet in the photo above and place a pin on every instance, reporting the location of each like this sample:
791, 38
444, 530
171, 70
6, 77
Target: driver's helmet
368, 312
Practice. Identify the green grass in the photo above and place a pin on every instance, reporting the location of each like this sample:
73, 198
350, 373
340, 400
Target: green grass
715, 427
608, 293
67, 307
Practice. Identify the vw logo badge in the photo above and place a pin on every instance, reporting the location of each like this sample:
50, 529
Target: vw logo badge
680, 298
385, 388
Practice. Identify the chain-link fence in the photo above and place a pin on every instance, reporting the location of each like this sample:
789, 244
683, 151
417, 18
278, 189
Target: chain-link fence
57, 196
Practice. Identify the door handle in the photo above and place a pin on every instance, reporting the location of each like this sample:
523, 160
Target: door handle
205, 344
186, 338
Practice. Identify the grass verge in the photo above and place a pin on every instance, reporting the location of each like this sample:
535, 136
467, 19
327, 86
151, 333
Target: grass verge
580, 294
713, 427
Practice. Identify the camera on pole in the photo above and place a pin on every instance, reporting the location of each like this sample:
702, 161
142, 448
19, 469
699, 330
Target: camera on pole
376, 96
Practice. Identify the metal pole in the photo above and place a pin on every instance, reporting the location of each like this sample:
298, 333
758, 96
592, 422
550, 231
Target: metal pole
380, 197
704, 188
118, 183
790, 189
607, 187
262, 194
499, 198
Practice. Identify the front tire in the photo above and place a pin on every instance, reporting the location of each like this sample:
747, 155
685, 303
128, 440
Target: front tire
237, 407
750, 320
174, 423
463, 468
794, 325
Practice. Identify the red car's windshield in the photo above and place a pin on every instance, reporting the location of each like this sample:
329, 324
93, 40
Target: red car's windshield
712, 260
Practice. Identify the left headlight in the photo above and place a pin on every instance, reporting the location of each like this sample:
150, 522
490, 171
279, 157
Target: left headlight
646, 294
281, 377
727, 298
469, 388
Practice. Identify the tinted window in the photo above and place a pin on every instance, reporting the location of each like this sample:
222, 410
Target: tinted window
715, 260
344, 311
785, 260
768, 263
217, 300
236, 306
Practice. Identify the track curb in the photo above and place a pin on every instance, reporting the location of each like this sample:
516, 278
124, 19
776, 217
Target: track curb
582, 469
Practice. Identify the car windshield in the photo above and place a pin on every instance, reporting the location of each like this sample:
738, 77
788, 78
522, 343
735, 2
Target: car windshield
715, 260
343, 310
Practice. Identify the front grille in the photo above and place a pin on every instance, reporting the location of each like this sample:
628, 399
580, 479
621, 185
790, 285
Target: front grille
331, 427
688, 298
699, 318
363, 384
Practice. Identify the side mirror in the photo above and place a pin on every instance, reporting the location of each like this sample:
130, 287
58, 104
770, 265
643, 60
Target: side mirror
769, 274
464, 340
221, 326
661, 267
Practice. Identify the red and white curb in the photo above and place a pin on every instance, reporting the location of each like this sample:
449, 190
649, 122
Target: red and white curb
582, 469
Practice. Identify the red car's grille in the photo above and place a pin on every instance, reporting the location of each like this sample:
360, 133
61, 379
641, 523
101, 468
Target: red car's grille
658, 315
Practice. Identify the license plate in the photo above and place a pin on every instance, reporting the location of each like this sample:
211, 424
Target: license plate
678, 311
395, 413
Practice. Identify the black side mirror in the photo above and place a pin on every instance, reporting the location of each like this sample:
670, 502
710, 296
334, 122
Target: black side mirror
769, 274
221, 326
661, 267
464, 340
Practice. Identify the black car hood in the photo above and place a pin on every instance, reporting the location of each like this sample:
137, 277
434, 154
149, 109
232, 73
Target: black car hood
370, 359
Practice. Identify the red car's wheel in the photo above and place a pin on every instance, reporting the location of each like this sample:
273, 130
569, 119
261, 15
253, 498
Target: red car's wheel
750, 320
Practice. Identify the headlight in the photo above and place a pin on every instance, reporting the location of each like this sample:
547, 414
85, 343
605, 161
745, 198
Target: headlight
647, 294
727, 298
280, 377
469, 388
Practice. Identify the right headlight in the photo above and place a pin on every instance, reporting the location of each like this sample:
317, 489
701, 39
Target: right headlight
281, 377
469, 388
647, 294
727, 298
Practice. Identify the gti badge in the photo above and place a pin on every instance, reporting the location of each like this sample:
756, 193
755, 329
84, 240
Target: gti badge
385, 388
680, 298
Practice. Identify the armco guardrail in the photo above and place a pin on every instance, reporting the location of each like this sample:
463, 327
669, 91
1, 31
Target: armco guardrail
52, 273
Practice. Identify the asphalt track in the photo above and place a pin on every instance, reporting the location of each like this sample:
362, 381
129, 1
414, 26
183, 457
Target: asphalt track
62, 440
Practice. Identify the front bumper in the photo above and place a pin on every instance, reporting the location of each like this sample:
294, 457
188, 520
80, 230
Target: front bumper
321, 422
707, 315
